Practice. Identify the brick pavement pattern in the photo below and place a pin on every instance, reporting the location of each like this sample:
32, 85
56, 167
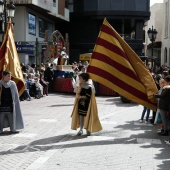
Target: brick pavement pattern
48, 143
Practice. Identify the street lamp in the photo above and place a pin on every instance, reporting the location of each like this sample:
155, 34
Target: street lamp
6, 11
152, 36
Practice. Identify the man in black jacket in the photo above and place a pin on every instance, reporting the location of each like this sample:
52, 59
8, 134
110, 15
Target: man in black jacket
49, 76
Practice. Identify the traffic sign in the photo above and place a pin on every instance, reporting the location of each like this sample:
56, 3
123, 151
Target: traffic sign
28, 49
25, 43
34, 43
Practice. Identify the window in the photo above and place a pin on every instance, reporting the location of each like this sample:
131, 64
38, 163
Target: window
141, 5
91, 5
117, 4
165, 55
31, 24
166, 19
169, 57
54, 3
43, 26
104, 5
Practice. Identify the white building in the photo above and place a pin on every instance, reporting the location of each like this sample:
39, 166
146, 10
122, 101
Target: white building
165, 59
155, 22
32, 19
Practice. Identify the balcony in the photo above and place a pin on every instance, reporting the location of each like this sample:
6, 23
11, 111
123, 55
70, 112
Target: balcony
45, 6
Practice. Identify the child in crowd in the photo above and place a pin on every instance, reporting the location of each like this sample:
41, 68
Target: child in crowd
37, 88
37, 76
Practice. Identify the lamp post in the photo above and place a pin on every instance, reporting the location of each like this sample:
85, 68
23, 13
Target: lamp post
6, 11
152, 36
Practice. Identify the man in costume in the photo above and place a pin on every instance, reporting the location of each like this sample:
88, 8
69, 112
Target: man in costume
85, 114
10, 110
64, 56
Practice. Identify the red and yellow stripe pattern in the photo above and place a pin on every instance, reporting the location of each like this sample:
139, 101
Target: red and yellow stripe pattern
9, 59
117, 66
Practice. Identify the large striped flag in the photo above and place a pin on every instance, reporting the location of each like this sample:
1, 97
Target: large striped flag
115, 65
9, 59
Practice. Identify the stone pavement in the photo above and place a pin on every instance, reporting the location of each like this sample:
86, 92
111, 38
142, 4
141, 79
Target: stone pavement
48, 143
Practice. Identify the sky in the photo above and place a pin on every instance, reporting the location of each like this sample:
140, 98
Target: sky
155, 1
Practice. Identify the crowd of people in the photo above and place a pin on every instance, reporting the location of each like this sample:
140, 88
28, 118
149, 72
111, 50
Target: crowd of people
162, 116
37, 83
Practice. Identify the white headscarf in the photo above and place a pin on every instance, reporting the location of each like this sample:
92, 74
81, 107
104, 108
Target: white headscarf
6, 84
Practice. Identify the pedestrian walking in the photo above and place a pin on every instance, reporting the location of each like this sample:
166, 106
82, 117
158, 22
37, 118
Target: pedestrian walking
85, 114
10, 111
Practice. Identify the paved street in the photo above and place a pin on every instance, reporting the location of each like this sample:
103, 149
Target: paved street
48, 143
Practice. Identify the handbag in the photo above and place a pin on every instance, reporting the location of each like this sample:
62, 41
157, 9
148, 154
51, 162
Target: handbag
159, 120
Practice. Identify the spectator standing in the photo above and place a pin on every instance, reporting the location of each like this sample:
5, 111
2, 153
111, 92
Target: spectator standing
44, 84
86, 64
159, 70
145, 109
24, 69
49, 77
156, 78
31, 69
165, 73
42, 68
164, 105
161, 84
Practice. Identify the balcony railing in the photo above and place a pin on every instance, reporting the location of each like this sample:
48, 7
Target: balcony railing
128, 36
21, 1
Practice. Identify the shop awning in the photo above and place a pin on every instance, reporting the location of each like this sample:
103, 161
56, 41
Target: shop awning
85, 56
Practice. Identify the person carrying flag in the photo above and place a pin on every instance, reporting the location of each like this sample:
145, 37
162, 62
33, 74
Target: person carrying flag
10, 110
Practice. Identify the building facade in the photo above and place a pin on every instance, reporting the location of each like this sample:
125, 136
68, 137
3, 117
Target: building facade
155, 22
127, 17
36, 20
165, 52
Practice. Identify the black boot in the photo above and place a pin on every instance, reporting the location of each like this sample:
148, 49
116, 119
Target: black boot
163, 133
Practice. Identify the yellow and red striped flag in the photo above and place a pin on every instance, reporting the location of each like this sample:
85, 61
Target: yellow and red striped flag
115, 65
9, 59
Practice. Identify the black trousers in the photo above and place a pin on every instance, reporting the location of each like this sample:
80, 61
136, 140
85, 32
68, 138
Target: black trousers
153, 117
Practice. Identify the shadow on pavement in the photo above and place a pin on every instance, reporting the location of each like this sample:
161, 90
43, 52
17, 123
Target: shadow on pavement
121, 134
6, 133
57, 105
69, 95
117, 101
150, 132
